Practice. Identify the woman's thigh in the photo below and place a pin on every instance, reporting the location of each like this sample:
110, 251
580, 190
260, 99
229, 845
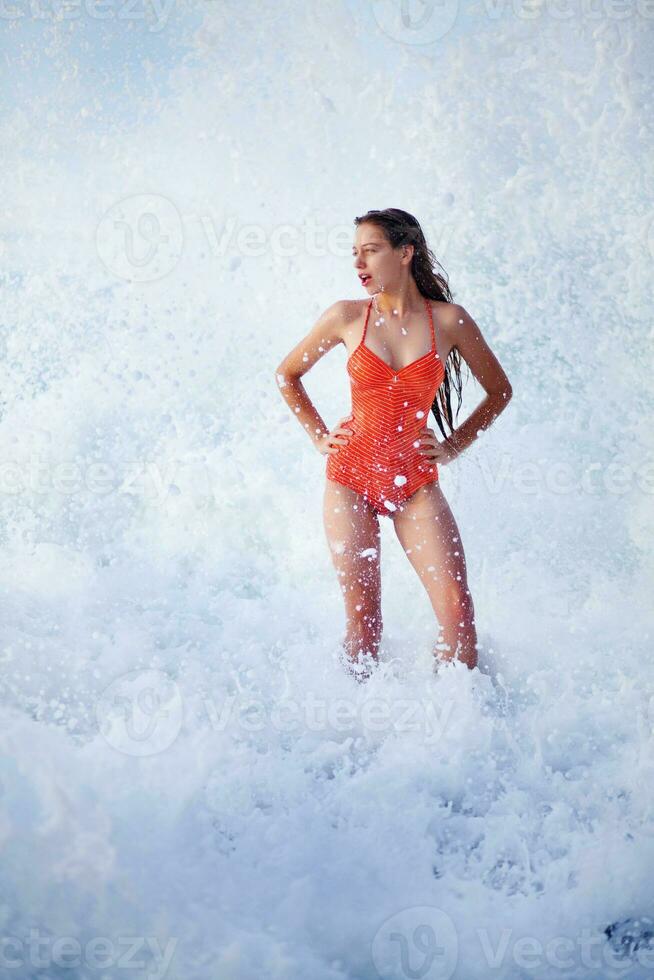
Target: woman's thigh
428, 532
352, 530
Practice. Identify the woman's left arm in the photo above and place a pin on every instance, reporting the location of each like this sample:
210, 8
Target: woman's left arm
461, 331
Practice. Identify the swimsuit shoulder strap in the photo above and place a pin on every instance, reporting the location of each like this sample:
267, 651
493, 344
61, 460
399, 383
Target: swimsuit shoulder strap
365, 326
431, 320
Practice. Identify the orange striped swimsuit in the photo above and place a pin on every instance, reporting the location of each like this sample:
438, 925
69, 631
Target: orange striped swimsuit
389, 410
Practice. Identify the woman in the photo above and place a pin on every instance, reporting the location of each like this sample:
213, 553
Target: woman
405, 343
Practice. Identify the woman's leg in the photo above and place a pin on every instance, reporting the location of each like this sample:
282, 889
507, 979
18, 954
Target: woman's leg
352, 529
430, 537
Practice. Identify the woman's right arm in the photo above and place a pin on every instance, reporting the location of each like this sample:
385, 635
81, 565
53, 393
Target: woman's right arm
325, 334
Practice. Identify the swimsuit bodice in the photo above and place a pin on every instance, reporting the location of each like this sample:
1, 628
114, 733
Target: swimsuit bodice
389, 410
384, 399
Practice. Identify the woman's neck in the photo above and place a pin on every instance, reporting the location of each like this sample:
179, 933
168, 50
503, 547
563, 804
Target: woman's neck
398, 305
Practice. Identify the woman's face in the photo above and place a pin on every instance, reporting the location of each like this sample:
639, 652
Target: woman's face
375, 258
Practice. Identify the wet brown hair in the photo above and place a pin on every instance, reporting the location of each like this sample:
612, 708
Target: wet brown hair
401, 228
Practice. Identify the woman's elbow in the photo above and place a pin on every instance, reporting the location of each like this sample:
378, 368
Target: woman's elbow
504, 389
283, 376
502, 396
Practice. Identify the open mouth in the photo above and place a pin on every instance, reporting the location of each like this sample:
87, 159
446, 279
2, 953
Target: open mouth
365, 279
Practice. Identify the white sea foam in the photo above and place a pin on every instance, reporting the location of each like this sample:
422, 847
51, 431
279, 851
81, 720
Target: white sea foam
184, 758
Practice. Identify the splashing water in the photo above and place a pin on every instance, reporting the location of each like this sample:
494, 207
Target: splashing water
189, 775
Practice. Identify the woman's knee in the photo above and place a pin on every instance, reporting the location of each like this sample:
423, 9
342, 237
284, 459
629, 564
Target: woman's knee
357, 566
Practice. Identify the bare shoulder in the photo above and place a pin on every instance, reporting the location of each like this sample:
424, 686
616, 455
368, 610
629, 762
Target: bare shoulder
460, 330
449, 314
340, 322
455, 322
446, 318
334, 326
344, 314
352, 312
